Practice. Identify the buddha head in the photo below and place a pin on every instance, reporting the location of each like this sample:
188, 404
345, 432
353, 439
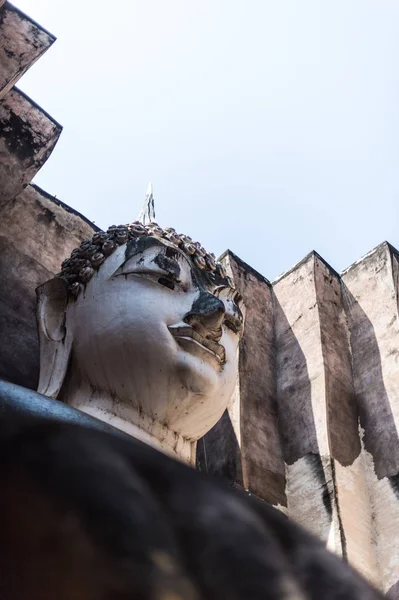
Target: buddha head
144, 322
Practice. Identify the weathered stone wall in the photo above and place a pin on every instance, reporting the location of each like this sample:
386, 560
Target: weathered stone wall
27, 133
371, 301
301, 399
27, 137
322, 350
22, 42
36, 233
251, 423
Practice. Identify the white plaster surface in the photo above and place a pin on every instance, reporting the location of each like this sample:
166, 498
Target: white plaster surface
114, 354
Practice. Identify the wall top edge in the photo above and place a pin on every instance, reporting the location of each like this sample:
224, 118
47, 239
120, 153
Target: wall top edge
15, 90
310, 256
66, 207
8, 6
245, 266
389, 247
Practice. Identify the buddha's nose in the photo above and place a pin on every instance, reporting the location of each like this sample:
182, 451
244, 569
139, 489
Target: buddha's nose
206, 316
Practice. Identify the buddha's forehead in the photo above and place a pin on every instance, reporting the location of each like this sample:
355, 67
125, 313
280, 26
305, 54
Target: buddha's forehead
137, 240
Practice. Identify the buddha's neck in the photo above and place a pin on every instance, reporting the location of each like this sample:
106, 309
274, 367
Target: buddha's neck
128, 419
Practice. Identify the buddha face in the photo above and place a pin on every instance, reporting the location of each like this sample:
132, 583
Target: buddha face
156, 333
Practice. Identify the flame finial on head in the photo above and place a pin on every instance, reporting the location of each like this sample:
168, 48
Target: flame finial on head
147, 213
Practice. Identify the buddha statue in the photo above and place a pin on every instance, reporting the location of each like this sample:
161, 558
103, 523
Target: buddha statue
140, 329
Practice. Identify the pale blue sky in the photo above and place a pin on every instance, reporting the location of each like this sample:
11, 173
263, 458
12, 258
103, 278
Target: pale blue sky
268, 127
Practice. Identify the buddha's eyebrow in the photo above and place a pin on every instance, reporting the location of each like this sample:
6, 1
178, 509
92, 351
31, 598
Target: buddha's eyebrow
167, 264
167, 259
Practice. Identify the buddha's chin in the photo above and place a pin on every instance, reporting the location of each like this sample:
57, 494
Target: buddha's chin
199, 377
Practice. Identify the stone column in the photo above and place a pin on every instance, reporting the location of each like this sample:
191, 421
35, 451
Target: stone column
371, 302
245, 446
326, 484
302, 408
354, 515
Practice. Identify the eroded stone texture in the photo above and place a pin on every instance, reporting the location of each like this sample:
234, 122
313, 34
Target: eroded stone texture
22, 42
301, 399
27, 137
342, 411
350, 494
262, 460
372, 310
253, 414
36, 231
371, 301
45, 228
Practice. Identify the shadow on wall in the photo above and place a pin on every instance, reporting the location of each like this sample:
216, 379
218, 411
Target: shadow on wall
297, 426
376, 418
19, 343
393, 592
218, 452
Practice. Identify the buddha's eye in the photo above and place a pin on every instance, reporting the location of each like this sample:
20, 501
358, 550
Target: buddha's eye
166, 282
160, 270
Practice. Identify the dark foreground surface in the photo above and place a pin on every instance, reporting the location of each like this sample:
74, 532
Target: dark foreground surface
87, 513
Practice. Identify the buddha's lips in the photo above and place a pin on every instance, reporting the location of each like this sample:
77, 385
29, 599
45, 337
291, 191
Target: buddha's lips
185, 331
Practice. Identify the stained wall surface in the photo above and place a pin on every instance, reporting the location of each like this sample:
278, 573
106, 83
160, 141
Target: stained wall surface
36, 231
22, 42
329, 344
27, 133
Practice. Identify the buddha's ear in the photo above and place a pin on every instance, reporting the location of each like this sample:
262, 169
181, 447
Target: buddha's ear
55, 341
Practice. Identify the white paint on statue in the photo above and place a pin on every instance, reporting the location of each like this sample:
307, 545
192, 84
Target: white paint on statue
125, 353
